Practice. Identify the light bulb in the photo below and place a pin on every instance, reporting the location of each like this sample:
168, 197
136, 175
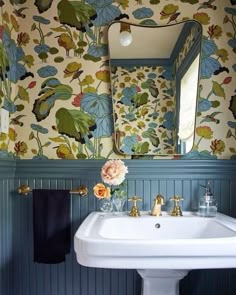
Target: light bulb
125, 38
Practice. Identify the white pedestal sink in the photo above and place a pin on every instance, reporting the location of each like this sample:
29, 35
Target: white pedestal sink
162, 249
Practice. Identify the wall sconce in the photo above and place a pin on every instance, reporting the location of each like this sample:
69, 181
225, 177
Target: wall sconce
125, 34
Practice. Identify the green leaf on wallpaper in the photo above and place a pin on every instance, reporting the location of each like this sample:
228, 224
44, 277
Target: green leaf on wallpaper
218, 90
141, 148
215, 104
28, 60
91, 58
45, 103
75, 14
74, 123
190, 1
43, 5
59, 29
20, 107
57, 139
140, 99
15, 2
153, 137
23, 94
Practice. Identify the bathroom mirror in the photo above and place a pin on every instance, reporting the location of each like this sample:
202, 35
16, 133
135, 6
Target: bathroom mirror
154, 82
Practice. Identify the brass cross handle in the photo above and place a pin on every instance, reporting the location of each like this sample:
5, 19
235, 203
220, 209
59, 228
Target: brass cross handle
176, 210
134, 210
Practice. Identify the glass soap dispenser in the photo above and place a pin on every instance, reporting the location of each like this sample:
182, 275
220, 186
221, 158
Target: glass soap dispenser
207, 204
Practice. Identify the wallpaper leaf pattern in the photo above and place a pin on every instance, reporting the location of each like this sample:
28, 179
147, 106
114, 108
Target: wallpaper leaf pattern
54, 77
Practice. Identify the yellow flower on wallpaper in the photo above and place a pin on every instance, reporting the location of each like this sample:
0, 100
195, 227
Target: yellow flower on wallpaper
204, 132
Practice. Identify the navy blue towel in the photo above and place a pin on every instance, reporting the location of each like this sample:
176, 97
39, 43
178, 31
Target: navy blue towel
51, 225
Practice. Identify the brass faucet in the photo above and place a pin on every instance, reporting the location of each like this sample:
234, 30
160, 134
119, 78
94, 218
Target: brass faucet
158, 202
176, 210
134, 210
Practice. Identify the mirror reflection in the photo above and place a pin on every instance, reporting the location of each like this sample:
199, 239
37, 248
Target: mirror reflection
154, 79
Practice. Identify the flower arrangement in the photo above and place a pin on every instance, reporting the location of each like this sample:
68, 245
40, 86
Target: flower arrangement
113, 174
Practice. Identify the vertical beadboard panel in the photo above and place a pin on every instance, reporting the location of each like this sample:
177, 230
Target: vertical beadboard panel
70, 278
6, 252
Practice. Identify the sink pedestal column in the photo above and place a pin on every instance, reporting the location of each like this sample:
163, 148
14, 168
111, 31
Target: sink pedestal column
161, 281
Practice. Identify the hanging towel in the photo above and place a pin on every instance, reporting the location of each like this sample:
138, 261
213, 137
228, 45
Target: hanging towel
51, 225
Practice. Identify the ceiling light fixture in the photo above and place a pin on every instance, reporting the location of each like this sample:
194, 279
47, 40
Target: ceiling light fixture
125, 34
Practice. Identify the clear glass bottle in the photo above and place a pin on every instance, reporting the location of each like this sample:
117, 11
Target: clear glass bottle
207, 204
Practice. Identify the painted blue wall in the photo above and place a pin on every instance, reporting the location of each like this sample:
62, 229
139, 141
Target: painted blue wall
20, 276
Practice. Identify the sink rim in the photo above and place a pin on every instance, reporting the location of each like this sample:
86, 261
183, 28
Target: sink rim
99, 252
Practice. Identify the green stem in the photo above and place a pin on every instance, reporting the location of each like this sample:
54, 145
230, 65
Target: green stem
210, 93
98, 85
199, 141
40, 152
42, 38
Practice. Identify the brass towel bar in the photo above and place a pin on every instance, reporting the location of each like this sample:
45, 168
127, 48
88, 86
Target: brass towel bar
82, 190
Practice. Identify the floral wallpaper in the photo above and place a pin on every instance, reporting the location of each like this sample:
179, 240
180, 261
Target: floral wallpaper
55, 79
144, 107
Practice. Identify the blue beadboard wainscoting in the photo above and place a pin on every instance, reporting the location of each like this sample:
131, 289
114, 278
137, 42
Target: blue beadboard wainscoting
146, 178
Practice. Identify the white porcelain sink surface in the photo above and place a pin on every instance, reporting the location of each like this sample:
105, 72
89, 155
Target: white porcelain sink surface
148, 242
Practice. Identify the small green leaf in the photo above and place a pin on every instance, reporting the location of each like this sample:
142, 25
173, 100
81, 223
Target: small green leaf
57, 139
23, 93
218, 90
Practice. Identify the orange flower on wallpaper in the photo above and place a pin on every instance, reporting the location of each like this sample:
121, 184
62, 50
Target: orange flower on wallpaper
217, 146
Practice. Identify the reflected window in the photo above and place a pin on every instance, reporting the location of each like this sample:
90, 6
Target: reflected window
188, 90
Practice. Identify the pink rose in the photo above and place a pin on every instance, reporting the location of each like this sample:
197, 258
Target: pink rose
113, 172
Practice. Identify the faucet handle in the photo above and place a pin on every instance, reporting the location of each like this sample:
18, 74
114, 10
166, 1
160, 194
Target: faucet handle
134, 210
176, 210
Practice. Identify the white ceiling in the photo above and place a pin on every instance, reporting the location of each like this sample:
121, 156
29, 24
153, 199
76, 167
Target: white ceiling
148, 42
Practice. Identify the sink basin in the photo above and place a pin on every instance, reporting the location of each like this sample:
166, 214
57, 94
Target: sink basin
157, 246
166, 242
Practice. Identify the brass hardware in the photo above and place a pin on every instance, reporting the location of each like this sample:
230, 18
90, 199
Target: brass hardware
82, 190
24, 190
176, 210
158, 202
134, 210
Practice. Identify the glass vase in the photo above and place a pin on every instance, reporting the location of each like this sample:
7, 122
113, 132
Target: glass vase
105, 205
118, 200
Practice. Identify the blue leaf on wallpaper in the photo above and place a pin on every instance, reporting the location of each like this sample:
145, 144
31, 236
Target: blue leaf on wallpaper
232, 124
168, 122
129, 91
232, 43
15, 72
196, 155
208, 46
152, 75
6, 38
9, 106
47, 71
100, 3
41, 20
167, 73
98, 50
41, 48
39, 128
143, 12
104, 126
128, 144
50, 82
208, 66
105, 15
234, 67
148, 22
6, 155
152, 125
126, 100
230, 10
97, 105
41, 157
204, 105
130, 117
